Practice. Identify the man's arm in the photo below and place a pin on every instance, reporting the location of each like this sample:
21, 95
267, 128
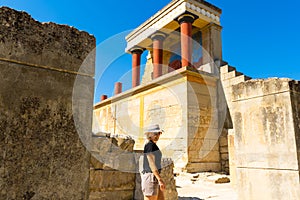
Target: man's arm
151, 160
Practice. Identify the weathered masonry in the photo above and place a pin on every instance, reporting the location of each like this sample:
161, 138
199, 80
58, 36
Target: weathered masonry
264, 142
179, 89
214, 117
41, 154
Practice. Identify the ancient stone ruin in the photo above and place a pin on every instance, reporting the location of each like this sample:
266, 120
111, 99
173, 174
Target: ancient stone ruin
114, 172
42, 156
214, 117
46, 104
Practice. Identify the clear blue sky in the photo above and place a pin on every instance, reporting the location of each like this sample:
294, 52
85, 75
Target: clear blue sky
260, 37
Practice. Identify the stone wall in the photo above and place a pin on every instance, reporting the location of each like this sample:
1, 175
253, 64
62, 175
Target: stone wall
266, 117
42, 156
184, 104
132, 111
114, 172
224, 154
203, 130
295, 99
113, 169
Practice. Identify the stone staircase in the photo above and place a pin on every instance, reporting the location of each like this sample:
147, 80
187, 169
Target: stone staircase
231, 76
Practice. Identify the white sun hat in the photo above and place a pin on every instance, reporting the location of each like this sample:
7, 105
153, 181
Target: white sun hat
154, 129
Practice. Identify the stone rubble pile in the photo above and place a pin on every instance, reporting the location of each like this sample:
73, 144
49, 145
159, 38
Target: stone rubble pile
112, 172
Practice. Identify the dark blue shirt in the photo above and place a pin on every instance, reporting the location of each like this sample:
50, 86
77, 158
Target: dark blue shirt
152, 148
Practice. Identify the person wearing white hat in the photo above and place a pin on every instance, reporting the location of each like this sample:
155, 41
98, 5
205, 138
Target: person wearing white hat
152, 183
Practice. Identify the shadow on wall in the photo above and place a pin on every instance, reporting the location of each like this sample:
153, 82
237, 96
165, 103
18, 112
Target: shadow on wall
189, 198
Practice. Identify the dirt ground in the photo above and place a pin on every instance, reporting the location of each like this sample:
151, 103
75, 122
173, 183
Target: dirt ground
202, 186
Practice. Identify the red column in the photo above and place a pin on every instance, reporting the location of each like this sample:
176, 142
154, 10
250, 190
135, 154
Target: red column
103, 97
186, 22
136, 62
118, 88
157, 39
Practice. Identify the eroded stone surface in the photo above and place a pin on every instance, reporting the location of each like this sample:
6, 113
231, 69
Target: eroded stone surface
59, 46
42, 155
113, 168
266, 142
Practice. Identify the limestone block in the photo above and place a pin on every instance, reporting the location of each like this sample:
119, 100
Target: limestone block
125, 144
203, 144
165, 97
224, 149
203, 167
277, 184
227, 87
227, 164
225, 69
229, 75
224, 156
211, 145
113, 153
125, 162
232, 159
295, 100
201, 100
264, 146
237, 80
195, 144
105, 180
223, 141
260, 87
197, 132
109, 195
270, 142
197, 118
204, 156
103, 144
119, 161
95, 164
272, 138
201, 89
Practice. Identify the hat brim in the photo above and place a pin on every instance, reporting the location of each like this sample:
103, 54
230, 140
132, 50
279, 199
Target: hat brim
154, 131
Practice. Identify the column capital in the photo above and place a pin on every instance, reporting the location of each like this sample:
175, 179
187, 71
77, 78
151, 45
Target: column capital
158, 36
137, 49
187, 17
